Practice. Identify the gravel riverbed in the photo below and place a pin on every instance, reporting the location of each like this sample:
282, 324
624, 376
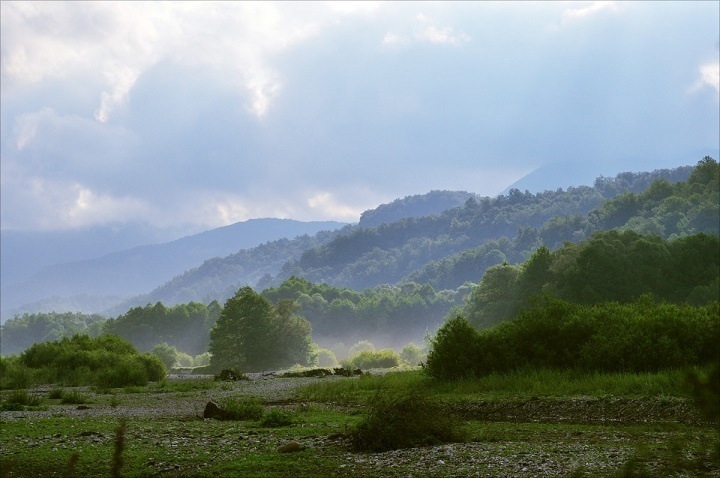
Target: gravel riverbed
602, 449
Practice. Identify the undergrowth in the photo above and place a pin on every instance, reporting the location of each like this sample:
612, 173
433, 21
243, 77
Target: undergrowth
524, 383
403, 421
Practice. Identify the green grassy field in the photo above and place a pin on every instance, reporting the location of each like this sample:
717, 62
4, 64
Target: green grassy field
533, 423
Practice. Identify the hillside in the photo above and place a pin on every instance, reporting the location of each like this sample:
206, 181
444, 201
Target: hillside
473, 237
662, 241
489, 231
112, 277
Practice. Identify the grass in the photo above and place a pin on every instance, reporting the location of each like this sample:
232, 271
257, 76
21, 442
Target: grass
241, 408
23, 397
518, 384
74, 397
276, 418
191, 447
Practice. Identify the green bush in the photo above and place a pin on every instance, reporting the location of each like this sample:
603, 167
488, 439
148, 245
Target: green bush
241, 409
412, 354
276, 418
166, 353
405, 421
202, 359
386, 358
14, 375
23, 397
453, 351
106, 361
74, 397
56, 393
185, 360
608, 337
361, 346
326, 358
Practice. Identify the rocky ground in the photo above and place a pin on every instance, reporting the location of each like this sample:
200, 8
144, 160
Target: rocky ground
597, 450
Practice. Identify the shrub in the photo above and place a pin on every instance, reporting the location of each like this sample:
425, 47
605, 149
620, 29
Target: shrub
403, 421
56, 393
452, 354
366, 359
276, 418
74, 397
202, 359
23, 397
185, 360
360, 346
105, 361
326, 358
166, 353
412, 354
154, 367
608, 337
15, 375
244, 409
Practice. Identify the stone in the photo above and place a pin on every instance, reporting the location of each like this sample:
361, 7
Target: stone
213, 410
291, 447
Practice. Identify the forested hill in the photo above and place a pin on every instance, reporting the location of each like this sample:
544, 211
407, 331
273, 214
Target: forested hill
443, 250
419, 205
394, 252
220, 277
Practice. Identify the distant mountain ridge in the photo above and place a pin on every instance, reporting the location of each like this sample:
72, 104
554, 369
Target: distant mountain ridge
409, 242
419, 205
142, 268
364, 257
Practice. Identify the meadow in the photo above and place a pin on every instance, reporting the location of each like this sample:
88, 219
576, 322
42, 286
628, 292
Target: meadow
385, 423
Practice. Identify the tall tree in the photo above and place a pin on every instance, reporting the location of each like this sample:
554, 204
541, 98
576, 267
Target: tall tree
252, 335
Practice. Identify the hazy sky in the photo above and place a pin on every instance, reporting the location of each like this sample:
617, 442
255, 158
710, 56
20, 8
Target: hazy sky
205, 114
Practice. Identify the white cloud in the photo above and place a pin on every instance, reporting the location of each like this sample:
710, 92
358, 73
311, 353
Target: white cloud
442, 36
439, 36
427, 31
118, 41
325, 204
26, 127
709, 77
58, 204
587, 11
391, 38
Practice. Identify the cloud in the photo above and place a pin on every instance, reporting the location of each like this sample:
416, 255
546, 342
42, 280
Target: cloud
209, 113
119, 41
594, 8
325, 204
441, 36
60, 204
391, 38
426, 31
709, 78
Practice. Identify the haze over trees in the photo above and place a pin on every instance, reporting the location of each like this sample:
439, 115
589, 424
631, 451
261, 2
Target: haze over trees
24, 330
184, 326
119, 274
662, 241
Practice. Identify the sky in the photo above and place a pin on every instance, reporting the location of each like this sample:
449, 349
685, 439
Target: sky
205, 114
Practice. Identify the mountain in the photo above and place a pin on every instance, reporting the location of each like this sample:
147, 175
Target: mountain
413, 248
409, 274
109, 278
419, 205
566, 174
25, 253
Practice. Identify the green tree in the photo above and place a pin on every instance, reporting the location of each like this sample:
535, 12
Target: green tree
251, 334
412, 354
167, 353
496, 297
